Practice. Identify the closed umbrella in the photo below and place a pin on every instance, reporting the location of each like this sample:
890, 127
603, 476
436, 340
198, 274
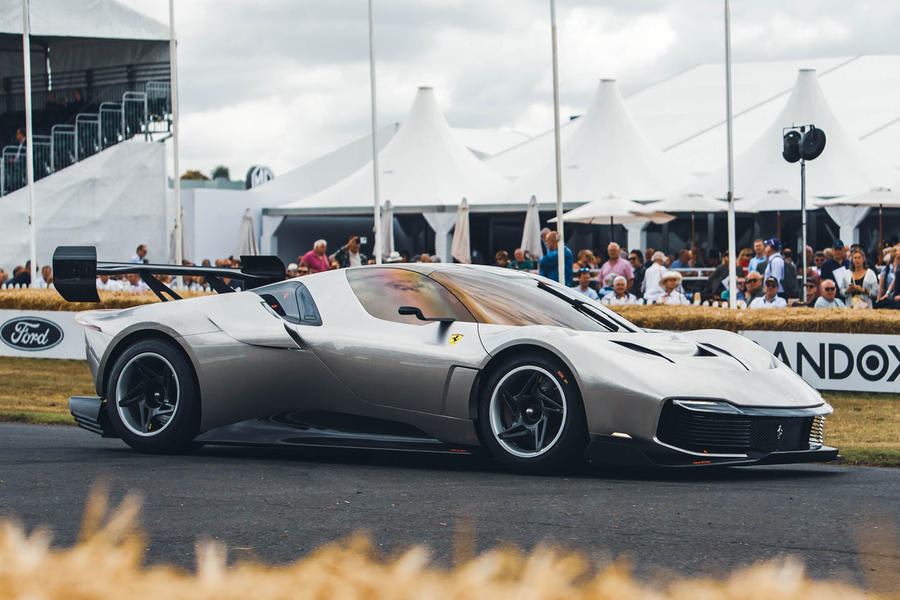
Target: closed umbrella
247, 236
460, 249
531, 233
386, 229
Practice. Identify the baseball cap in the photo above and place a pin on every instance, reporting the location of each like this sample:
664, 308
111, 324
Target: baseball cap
584, 270
837, 245
774, 242
771, 280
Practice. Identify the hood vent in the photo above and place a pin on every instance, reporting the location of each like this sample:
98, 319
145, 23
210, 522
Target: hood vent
723, 352
641, 349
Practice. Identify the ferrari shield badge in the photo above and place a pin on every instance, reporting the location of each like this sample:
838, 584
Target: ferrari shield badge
455, 338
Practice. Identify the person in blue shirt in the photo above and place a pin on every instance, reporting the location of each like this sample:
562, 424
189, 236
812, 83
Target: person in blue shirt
684, 259
759, 257
775, 263
549, 264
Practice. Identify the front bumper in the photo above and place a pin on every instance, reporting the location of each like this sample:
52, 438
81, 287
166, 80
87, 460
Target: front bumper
615, 451
695, 432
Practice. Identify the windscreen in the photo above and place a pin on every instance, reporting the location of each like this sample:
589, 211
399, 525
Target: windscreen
496, 298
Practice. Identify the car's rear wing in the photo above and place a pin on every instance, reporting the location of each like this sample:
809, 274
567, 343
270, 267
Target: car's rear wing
75, 271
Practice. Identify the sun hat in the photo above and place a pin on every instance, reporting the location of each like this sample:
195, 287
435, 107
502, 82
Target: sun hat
393, 257
671, 275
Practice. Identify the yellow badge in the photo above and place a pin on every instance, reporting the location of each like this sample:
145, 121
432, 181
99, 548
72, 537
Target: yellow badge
455, 338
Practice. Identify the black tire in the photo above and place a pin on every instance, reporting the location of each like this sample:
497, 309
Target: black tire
496, 415
153, 400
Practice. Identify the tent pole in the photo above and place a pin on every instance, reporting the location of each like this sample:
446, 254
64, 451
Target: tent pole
803, 221
693, 238
732, 258
176, 125
29, 138
376, 247
879, 231
561, 264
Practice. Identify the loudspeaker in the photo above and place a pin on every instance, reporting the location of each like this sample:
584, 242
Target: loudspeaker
812, 143
791, 152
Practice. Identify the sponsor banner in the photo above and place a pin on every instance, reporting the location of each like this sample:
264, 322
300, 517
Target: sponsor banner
40, 334
852, 362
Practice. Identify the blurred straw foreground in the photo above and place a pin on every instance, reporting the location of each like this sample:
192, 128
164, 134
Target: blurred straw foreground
107, 562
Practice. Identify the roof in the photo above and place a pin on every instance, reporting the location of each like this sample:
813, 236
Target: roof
604, 154
845, 167
105, 19
424, 166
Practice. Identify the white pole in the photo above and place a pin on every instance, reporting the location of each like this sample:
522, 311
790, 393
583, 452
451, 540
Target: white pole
376, 248
803, 222
176, 181
29, 138
732, 253
559, 210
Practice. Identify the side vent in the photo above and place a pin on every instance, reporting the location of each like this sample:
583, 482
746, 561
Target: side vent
642, 349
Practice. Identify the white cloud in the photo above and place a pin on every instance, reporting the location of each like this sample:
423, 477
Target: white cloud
280, 82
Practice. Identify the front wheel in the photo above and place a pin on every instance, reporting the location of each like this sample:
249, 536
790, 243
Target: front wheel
531, 417
153, 401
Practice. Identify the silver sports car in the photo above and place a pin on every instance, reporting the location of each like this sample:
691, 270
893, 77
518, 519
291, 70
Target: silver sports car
433, 358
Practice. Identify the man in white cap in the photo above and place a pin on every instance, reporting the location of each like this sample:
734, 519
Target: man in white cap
668, 293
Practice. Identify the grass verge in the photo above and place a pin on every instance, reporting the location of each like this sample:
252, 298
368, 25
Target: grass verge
866, 427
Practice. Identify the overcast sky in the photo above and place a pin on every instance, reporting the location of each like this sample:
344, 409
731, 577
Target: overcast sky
280, 82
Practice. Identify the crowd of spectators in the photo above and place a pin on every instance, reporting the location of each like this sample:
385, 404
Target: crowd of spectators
767, 274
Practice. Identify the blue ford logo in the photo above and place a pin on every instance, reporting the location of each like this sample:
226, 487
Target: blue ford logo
30, 333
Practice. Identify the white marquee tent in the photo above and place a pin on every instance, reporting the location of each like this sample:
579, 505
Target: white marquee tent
605, 155
845, 167
424, 167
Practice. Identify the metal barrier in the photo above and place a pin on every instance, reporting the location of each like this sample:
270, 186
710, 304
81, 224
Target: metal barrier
134, 113
12, 168
62, 139
140, 113
112, 117
43, 156
159, 99
87, 135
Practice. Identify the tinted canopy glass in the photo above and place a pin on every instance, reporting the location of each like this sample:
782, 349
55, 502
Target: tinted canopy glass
383, 290
501, 298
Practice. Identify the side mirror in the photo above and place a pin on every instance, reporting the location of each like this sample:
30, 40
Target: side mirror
415, 310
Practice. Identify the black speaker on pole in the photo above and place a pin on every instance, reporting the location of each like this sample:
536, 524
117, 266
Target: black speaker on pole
812, 143
791, 152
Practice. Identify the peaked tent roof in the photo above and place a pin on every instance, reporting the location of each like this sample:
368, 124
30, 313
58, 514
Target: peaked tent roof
423, 167
845, 166
605, 155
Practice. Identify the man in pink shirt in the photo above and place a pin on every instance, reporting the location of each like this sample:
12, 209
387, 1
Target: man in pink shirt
315, 259
616, 265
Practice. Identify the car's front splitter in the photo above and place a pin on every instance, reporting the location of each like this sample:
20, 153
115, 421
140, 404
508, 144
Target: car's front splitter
620, 451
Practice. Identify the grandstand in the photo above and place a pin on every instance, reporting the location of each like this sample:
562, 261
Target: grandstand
100, 76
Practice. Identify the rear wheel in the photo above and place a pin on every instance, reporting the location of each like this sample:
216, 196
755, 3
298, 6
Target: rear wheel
153, 401
530, 415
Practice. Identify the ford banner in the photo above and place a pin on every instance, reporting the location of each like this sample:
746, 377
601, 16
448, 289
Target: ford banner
40, 334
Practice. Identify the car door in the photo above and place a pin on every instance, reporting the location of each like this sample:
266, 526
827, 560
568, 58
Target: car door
391, 359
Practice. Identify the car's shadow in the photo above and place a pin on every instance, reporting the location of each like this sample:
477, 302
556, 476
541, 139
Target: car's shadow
480, 463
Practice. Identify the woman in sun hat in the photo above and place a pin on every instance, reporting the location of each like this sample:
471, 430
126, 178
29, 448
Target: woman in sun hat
667, 293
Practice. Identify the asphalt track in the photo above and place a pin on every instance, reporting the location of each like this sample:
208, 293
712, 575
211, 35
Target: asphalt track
277, 505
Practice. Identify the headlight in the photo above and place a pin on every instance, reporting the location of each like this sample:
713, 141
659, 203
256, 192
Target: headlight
713, 406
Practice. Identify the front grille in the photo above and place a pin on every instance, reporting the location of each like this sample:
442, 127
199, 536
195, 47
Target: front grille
718, 433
